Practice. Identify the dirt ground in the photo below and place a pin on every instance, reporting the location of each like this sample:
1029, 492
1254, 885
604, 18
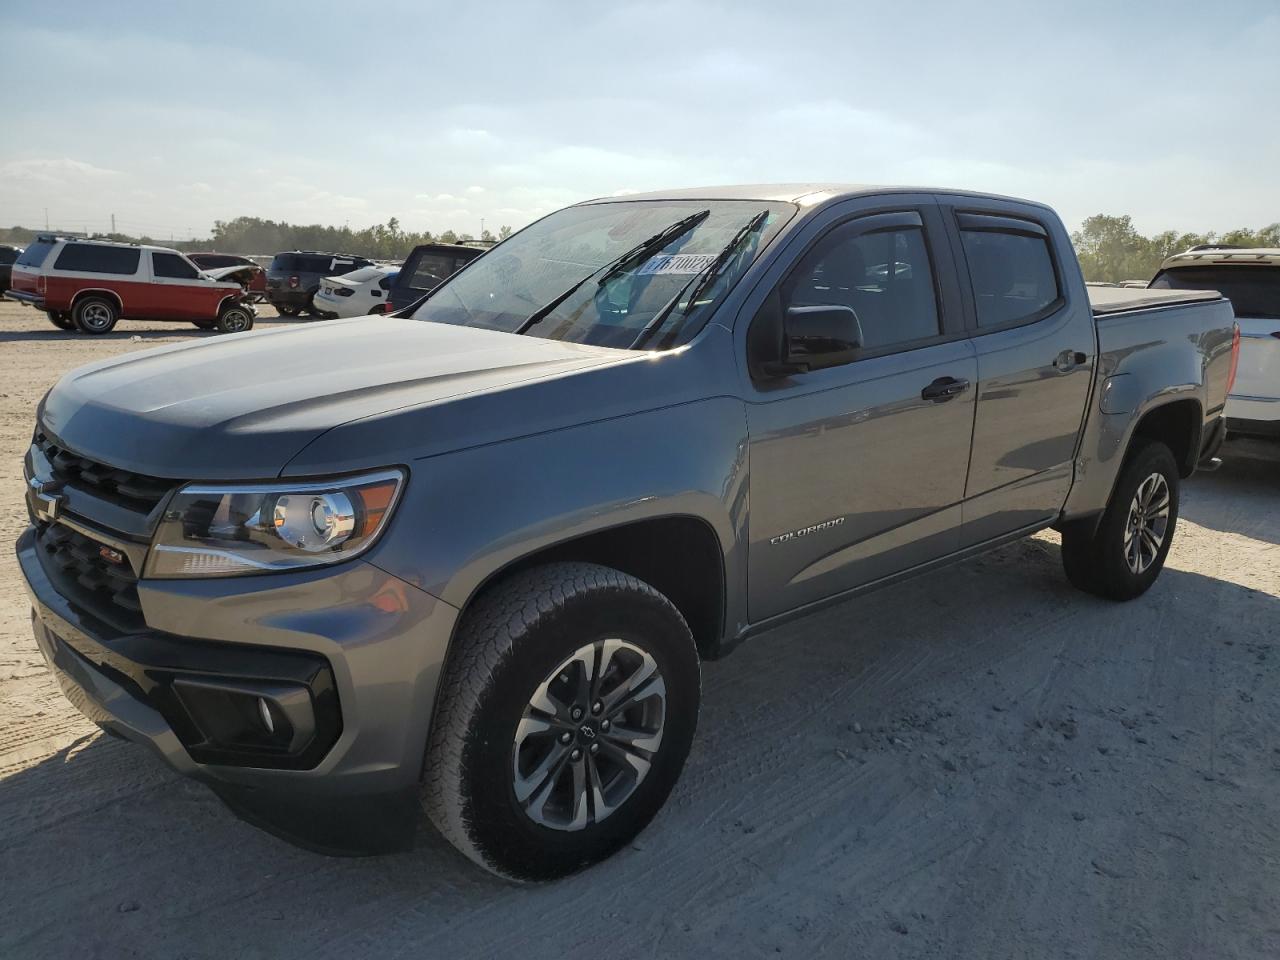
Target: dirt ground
984, 763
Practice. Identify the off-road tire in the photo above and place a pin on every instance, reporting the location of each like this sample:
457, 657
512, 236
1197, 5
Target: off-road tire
95, 315
1094, 561
61, 319
513, 636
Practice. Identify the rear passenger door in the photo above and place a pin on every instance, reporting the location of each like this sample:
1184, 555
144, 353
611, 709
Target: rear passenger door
857, 471
1036, 347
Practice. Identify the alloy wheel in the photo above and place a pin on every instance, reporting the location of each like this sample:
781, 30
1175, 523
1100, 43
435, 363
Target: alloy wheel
1147, 524
588, 736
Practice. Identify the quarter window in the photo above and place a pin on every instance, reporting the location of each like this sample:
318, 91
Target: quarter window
1012, 274
172, 266
884, 276
98, 258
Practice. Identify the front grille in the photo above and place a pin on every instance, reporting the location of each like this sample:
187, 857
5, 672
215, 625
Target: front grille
123, 487
85, 577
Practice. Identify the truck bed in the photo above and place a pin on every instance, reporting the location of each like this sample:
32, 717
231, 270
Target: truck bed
1109, 300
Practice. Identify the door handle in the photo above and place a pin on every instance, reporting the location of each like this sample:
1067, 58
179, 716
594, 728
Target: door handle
1069, 360
944, 389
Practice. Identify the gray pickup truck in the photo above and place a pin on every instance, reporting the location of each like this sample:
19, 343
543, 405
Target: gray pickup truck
469, 560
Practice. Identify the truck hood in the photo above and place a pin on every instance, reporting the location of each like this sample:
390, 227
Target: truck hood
240, 406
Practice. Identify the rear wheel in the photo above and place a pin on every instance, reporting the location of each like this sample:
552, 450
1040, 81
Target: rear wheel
1124, 555
61, 319
206, 324
564, 720
95, 315
235, 318
288, 309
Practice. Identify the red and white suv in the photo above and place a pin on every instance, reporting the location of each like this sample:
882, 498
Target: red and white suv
91, 284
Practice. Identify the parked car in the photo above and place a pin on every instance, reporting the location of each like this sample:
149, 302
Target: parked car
89, 285
253, 279
8, 254
474, 556
426, 267
357, 294
1250, 278
293, 278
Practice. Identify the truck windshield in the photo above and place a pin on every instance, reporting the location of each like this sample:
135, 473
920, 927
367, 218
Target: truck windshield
1254, 291
507, 286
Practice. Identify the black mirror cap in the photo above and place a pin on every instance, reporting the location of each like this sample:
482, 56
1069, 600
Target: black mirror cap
825, 335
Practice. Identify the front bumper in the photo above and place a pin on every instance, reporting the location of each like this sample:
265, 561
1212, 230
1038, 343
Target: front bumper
377, 642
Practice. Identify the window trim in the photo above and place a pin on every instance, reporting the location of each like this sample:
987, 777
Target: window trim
880, 222
987, 221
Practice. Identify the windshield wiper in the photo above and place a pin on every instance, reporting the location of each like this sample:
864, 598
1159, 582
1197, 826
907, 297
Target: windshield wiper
700, 281
637, 254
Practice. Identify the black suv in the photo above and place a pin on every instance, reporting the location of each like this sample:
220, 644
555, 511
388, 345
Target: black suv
293, 278
8, 254
426, 267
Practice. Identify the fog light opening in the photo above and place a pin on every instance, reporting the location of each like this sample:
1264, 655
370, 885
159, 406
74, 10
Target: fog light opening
265, 712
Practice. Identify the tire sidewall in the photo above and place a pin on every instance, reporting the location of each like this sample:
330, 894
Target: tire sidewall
513, 842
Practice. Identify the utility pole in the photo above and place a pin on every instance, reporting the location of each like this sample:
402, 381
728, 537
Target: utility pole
482, 227
113, 223
46, 219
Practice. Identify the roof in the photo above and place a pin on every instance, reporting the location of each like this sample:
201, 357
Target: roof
805, 194
1201, 256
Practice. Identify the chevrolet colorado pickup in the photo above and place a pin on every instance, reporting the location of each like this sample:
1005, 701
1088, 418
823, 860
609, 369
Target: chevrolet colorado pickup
469, 560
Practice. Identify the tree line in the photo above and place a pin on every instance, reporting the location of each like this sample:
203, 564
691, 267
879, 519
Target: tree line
1109, 247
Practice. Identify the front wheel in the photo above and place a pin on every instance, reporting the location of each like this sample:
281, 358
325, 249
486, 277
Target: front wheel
95, 315
564, 720
61, 319
205, 324
288, 309
235, 319
1124, 555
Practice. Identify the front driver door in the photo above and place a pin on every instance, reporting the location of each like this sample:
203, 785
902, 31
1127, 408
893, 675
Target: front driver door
858, 471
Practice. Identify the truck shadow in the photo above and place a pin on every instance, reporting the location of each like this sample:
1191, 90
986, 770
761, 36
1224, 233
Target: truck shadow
894, 753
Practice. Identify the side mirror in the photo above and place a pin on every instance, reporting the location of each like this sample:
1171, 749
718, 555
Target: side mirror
820, 336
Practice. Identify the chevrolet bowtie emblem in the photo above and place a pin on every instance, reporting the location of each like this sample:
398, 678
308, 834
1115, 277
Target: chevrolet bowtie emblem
45, 503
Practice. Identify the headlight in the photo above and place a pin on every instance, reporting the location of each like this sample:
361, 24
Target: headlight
221, 530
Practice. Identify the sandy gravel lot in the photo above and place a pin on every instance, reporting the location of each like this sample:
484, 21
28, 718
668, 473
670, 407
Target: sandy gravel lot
981, 764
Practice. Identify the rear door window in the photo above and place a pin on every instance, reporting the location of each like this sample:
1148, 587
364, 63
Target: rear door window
171, 266
98, 258
1011, 269
7, 255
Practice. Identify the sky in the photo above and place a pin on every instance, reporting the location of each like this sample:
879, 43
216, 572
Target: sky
173, 115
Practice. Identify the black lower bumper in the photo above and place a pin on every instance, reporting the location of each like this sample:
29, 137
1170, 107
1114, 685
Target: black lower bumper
200, 706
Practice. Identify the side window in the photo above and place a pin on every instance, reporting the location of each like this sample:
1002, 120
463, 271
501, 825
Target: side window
1011, 271
884, 276
96, 258
172, 266
339, 267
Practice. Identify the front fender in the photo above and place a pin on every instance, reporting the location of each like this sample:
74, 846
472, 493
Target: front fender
469, 514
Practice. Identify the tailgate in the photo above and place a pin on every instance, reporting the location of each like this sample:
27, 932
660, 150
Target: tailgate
1258, 374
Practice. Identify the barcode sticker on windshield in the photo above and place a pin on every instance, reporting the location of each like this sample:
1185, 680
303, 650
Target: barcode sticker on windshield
687, 263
